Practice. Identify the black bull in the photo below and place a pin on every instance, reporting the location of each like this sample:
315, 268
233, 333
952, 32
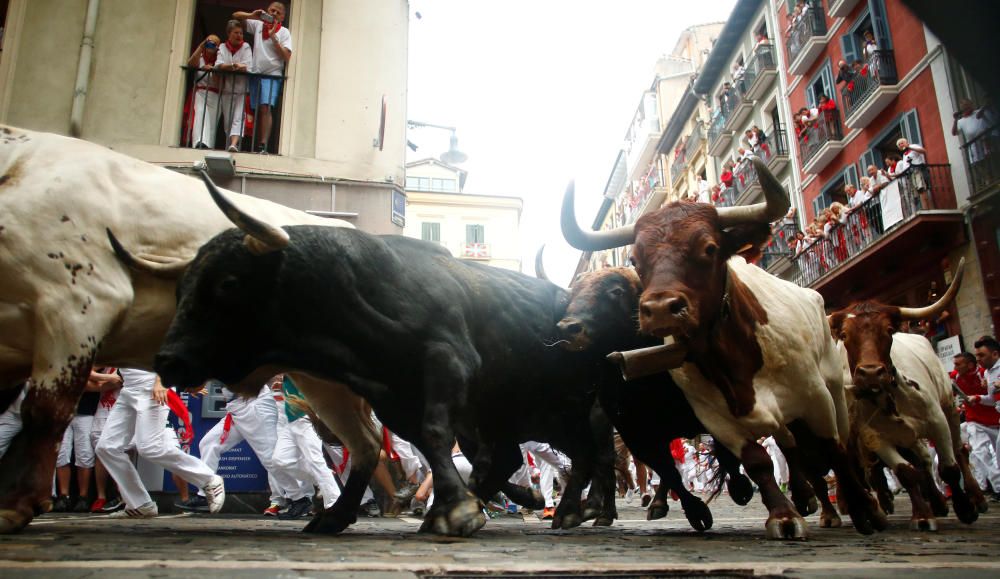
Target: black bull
440, 347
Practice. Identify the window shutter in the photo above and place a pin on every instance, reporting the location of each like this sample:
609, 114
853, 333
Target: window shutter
910, 127
851, 175
430, 232
869, 158
880, 24
849, 48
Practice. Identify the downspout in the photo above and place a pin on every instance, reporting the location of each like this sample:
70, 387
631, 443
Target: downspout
83, 69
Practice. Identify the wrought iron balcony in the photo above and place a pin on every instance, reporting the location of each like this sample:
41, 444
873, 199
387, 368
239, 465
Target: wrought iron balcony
806, 38
920, 189
871, 90
694, 141
982, 154
820, 142
718, 137
760, 70
219, 97
776, 150
778, 246
677, 169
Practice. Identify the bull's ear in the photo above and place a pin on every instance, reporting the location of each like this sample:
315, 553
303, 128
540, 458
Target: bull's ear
895, 320
836, 321
745, 239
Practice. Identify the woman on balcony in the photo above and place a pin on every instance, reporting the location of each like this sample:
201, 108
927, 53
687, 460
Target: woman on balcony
871, 53
235, 57
205, 115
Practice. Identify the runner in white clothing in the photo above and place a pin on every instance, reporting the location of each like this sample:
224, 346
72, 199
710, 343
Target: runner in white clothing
141, 412
10, 421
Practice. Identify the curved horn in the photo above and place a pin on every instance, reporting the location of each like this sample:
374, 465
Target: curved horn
774, 207
165, 269
539, 266
937, 307
590, 240
261, 237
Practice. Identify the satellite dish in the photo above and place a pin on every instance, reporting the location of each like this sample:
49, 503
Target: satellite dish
453, 156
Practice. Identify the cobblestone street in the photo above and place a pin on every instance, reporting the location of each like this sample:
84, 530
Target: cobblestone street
200, 546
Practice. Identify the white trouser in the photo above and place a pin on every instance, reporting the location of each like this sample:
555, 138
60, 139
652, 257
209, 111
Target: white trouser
550, 463
983, 440
337, 457
464, 468
778, 460
282, 493
255, 421
76, 440
409, 457
206, 117
232, 112
10, 425
137, 415
299, 452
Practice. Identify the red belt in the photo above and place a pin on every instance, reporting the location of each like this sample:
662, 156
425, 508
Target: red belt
209, 88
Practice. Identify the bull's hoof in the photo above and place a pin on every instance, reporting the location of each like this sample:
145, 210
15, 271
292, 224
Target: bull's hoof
12, 521
981, 505
787, 528
740, 489
926, 524
567, 521
657, 511
329, 523
699, 515
830, 520
461, 520
604, 521
964, 509
868, 517
887, 503
591, 513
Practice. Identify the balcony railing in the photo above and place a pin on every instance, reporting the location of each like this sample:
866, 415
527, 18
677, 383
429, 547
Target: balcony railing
812, 24
677, 168
879, 71
716, 130
824, 129
762, 61
920, 188
983, 157
727, 198
218, 96
778, 246
745, 176
693, 142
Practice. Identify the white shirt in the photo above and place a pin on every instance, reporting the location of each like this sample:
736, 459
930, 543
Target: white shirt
879, 179
859, 197
137, 378
234, 83
206, 79
267, 58
912, 158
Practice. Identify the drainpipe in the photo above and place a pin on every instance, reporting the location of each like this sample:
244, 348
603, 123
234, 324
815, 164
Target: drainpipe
83, 69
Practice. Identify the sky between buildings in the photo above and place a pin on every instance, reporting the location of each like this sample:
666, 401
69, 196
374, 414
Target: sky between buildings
541, 92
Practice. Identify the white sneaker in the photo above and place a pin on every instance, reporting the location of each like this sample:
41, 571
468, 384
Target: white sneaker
215, 492
630, 496
146, 511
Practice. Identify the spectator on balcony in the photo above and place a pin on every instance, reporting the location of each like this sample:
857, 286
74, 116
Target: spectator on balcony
788, 221
205, 116
235, 57
878, 179
914, 159
971, 123
272, 50
845, 74
727, 174
890, 165
856, 197
761, 137
716, 194
827, 109
798, 243
762, 39
704, 191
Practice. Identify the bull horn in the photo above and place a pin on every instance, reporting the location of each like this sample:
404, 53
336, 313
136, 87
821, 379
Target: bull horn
590, 240
774, 207
937, 307
539, 266
158, 266
261, 237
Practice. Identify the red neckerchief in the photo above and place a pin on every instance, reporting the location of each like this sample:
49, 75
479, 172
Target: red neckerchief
267, 32
210, 58
234, 49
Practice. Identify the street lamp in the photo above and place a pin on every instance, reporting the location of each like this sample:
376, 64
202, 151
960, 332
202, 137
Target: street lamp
453, 156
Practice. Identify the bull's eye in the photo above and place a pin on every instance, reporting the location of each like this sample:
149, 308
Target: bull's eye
843, 336
631, 260
616, 292
711, 249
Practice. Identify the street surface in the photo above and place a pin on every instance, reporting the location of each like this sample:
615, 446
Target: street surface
229, 545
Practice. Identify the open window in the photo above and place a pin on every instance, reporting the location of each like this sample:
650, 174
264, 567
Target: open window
884, 145
219, 102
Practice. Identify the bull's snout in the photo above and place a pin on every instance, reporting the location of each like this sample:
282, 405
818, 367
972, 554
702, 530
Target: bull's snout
174, 370
570, 327
871, 375
660, 314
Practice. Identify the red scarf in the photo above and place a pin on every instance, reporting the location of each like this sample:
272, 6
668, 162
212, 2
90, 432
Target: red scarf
210, 58
234, 49
267, 30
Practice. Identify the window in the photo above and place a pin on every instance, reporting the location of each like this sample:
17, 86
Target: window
834, 189
447, 185
820, 84
430, 232
884, 144
475, 234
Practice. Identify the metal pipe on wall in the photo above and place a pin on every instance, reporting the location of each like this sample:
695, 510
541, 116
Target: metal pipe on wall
83, 69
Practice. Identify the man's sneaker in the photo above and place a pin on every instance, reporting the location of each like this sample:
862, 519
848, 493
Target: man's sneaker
262, 149
113, 505
215, 494
630, 496
196, 503
146, 511
548, 513
273, 510
61, 504
81, 506
406, 492
97, 505
299, 508
370, 510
